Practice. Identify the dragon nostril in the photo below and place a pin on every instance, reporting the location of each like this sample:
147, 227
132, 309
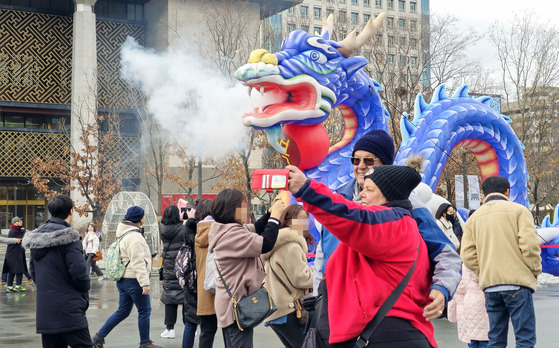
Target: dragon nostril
289, 98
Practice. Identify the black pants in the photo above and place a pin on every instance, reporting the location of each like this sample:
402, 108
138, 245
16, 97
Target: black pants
208, 328
291, 334
18, 276
92, 264
171, 316
74, 339
417, 343
236, 338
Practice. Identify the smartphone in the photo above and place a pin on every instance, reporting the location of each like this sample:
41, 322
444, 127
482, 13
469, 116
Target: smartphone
270, 179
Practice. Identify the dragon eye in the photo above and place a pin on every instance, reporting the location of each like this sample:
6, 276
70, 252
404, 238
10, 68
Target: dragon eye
317, 56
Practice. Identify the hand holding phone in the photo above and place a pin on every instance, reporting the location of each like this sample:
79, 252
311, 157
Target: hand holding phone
270, 179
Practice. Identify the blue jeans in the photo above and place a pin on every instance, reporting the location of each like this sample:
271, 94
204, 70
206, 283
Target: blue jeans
188, 335
130, 294
517, 305
478, 344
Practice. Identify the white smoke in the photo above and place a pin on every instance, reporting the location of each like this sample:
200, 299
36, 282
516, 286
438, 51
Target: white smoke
194, 102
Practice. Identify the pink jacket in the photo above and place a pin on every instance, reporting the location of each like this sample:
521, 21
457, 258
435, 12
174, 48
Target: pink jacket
467, 309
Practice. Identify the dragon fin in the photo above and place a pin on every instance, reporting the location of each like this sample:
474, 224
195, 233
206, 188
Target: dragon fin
461, 92
406, 128
439, 94
353, 64
556, 215
420, 106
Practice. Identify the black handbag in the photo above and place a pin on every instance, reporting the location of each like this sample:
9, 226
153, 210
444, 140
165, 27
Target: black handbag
252, 309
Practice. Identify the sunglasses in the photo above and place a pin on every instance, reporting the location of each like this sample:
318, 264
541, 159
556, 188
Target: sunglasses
369, 161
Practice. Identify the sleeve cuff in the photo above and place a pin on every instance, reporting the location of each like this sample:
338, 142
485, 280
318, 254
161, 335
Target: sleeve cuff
443, 290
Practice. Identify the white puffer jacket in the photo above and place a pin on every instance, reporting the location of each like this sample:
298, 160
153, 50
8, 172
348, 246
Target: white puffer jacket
467, 309
90, 243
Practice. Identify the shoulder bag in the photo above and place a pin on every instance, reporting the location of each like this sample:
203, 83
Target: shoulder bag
301, 312
252, 309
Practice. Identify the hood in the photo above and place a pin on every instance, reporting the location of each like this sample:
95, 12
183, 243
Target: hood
125, 226
42, 239
202, 234
218, 230
286, 236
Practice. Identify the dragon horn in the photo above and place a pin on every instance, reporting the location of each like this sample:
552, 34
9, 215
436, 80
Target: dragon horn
352, 42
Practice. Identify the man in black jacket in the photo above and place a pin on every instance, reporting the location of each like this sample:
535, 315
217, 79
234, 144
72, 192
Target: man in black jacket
60, 272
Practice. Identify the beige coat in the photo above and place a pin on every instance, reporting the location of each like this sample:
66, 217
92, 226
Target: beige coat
500, 244
288, 259
205, 298
237, 251
447, 229
134, 252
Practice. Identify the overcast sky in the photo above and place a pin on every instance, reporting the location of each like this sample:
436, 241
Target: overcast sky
480, 14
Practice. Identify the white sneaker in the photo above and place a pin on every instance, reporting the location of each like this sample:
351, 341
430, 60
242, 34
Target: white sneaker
168, 334
101, 277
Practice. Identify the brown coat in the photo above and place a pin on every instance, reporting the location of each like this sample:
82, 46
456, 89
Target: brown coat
237, 251
288, 259
205, 298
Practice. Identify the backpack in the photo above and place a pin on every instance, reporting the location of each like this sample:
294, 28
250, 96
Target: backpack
114, 269
185, 268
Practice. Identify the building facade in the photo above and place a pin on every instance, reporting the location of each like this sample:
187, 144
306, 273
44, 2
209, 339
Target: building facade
60, 68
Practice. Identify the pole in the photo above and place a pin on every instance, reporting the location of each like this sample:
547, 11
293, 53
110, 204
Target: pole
200, 174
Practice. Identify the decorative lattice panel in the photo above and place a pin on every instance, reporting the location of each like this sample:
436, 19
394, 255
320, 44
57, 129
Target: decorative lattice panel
18, 150
124, 151
113, 92
35, 57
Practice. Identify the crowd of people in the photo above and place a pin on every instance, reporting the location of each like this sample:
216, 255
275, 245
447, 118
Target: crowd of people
384, 269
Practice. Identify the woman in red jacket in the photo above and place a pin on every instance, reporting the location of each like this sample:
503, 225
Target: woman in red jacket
379, 242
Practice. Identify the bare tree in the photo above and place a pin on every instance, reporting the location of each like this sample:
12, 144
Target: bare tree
529, 54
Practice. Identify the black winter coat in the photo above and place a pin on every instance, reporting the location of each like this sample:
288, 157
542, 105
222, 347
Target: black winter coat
60, 272
14, 261
172, 237
190, 304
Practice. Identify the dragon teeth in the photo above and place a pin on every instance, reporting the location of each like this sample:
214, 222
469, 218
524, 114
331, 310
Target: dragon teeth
250, 90
262, 90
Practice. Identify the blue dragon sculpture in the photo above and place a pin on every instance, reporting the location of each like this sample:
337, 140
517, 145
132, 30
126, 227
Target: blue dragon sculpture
312, 74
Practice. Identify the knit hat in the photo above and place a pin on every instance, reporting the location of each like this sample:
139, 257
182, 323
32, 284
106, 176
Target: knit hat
397, 182
16, 219
377, 142
134, 214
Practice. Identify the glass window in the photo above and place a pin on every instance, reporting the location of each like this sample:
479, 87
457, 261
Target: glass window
378, 3
329, 11
413, 61
413, 24
413, 43
390, 58
403, 60
354, 17
389, 21
3, 193
290, 10
401, 41
342, 1
290, 27
305, 28
20, 194
390, 40
401, 5
304, 11
413, 6
342, 15
14, 121
317, 30
366, 3
390, 4
317, 13
117, 9
366, 17
354, 2
401, 23
36, 121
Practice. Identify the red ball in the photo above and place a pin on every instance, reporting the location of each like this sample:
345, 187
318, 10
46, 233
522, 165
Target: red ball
306, 146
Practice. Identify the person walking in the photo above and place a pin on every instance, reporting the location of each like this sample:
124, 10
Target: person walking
91, 247
133, 288
60, 273
172, 235
288, 276
14, 261
445, 219
500, 245
379, 244
467, 309
205, 307
237, 249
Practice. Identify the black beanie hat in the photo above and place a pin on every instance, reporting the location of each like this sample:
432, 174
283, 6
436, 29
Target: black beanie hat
134, 214
377, 142
395, 182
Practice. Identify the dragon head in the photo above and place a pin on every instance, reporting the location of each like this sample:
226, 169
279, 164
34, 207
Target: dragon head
300, 85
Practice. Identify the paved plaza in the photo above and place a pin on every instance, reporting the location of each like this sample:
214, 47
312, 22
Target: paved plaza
17, 320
